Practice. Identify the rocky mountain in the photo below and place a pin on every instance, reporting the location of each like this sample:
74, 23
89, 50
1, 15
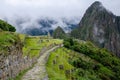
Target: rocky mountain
100, 26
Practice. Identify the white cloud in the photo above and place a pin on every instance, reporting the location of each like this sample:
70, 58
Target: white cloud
35, 9
54, 8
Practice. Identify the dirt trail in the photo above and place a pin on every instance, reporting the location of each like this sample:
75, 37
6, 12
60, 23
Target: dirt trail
38, 72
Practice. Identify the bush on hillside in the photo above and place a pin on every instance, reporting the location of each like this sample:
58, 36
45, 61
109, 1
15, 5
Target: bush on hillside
6, 27
109, 70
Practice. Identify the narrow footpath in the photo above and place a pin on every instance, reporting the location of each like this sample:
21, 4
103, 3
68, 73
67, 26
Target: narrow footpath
38, 72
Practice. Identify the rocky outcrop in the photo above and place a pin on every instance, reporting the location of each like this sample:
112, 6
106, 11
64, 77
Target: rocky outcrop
100, 26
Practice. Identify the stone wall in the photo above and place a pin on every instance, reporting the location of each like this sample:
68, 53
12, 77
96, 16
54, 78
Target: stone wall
12, 63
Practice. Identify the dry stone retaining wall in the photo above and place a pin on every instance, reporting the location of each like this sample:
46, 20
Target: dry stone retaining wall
14, 62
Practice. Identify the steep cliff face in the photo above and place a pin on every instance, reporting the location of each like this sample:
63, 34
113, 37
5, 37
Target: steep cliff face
101, 27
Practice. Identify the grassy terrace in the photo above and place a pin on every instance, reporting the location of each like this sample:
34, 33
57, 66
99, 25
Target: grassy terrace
57, 58
64, 56
33, 45
22, 37
7, 39
70, 60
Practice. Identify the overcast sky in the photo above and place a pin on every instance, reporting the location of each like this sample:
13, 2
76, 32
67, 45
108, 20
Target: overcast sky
52, 8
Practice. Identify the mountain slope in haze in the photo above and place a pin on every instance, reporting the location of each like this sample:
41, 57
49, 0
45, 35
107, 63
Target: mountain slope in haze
42, 25
58, 33
101, 27
48, 25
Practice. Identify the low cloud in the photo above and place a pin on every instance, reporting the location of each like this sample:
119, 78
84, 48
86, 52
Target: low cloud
24, 13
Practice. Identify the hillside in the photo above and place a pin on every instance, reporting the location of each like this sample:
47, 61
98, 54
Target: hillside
82, 61
6, 27
100, 26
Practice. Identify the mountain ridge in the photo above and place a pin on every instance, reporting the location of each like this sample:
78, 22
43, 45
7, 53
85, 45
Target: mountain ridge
100, 26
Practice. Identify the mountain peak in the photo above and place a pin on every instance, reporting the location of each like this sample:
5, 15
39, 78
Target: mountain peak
100, 26
98, 6
97, 3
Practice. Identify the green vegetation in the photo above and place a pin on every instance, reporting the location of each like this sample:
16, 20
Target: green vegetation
108, 67
22, 37
58, 58
91, 63
6, 27
75, 33
7, 39
75, 66
59, 33
33, 45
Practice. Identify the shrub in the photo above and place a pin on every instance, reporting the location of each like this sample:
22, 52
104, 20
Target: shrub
108, 67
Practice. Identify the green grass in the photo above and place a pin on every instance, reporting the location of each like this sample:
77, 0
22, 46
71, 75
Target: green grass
66, 57
22, 37
33, 45
61, 57
7, 39
34, 53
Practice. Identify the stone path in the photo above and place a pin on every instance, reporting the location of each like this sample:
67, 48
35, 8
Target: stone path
38, 72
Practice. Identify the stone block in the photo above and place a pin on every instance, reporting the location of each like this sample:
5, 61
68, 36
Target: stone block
61, 67
54, 62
